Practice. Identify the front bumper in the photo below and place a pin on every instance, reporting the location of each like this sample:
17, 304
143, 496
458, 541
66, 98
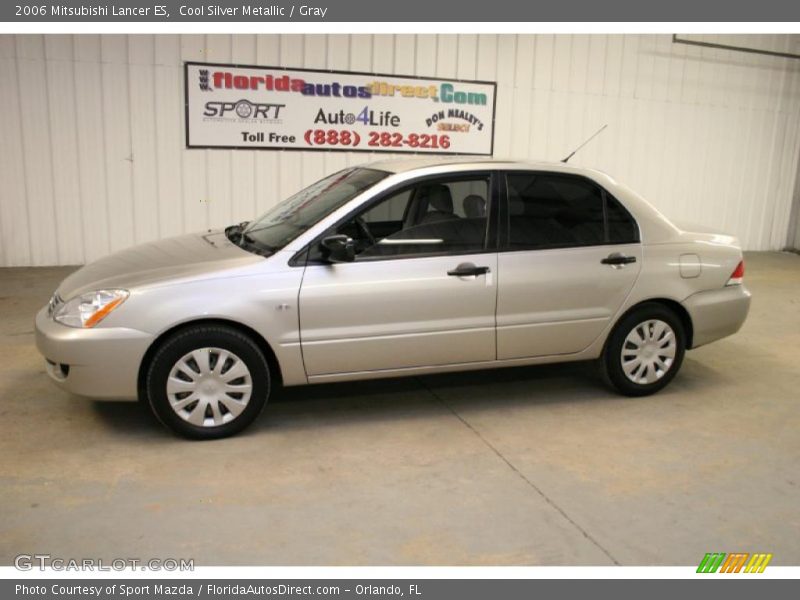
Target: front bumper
716, 314
100, 363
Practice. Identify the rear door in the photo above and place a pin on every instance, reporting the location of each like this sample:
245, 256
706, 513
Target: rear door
570, 254
421, 291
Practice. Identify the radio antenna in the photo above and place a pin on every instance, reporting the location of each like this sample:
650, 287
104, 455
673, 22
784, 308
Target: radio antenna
596, 133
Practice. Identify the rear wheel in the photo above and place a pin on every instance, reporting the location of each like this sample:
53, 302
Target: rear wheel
208, 381
645, 350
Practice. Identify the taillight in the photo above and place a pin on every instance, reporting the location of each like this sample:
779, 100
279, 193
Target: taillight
737, 275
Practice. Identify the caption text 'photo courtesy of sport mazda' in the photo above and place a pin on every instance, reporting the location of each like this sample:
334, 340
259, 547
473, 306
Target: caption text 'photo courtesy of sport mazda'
399, 267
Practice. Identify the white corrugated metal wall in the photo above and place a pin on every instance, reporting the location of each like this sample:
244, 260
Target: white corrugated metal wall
92, 155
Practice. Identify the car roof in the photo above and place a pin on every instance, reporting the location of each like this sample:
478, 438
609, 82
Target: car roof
404, 165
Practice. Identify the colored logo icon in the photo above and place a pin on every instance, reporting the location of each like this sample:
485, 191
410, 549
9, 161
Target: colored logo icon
736, 562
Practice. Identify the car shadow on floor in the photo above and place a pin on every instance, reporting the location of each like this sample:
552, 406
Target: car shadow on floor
338, 404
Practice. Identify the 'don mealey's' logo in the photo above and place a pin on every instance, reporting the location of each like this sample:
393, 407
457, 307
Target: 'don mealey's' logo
736, 562
467, 119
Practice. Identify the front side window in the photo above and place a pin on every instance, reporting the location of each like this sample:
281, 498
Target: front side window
446, 216
555, 211
285, 221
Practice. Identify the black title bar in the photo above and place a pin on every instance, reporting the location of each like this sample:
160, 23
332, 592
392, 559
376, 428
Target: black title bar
451, 11
700, 588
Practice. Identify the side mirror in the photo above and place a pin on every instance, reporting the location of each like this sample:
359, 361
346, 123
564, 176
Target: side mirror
338, 248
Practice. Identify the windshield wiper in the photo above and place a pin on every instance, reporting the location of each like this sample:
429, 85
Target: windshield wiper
237, 235
261, 246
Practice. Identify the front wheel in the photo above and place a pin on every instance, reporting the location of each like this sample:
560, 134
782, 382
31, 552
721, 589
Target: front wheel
207, 382
645, 350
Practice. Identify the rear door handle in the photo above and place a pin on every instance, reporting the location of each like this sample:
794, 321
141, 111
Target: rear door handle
467, 270
618, 259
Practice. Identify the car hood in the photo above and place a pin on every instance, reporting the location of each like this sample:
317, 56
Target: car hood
185, 257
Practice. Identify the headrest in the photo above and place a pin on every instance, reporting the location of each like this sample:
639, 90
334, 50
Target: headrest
474, 206
439, 198
516, 207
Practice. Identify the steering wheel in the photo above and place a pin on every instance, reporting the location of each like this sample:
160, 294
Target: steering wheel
362, 225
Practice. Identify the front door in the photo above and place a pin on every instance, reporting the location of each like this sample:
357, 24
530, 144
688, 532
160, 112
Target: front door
420, 292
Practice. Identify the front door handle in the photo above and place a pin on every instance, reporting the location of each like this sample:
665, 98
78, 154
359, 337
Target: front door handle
467, 270
618, 259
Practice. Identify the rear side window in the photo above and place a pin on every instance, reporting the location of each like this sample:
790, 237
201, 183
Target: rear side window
556, 211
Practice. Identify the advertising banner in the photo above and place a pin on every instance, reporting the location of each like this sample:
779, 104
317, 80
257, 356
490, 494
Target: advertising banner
270, 108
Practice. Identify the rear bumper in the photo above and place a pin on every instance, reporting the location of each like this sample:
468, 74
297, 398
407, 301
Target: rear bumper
717, 313
100, 363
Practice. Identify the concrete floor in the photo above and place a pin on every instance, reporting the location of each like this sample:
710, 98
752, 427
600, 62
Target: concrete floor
529, 466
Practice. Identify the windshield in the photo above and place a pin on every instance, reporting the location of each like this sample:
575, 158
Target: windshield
285, 221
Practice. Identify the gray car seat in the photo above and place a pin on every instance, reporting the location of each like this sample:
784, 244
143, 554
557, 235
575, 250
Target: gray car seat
474, 206
440, 204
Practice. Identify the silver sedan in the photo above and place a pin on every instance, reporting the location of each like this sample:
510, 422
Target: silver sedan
389, 269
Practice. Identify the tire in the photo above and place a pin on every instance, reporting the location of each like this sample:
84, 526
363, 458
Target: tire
207, 382
652, 335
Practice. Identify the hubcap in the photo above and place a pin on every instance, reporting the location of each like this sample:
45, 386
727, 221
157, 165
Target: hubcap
209, 387
648, 351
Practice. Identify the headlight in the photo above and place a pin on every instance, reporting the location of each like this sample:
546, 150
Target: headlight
89, 309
